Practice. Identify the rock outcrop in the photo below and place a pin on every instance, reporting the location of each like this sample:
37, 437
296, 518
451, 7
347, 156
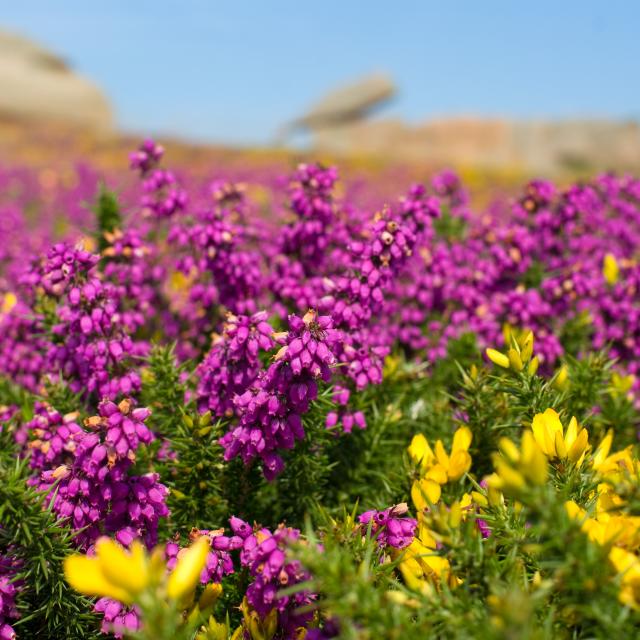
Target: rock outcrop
340, 124
539, 146
37, 85
349, 103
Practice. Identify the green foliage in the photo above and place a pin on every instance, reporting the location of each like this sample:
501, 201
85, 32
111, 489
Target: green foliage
303, 484
575, 334
59, 395
108, 215
192, 465
355, 587
194, 476
11, 395
50, 608
534, 275
163, 391
449, 227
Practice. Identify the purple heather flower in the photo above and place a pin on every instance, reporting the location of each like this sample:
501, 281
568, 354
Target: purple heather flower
270, 412
232, 365
390, 528
265, 555
146, 157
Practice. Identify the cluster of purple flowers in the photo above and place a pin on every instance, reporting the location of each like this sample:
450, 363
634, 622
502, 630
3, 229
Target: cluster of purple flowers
390, 527
264, 553
132, 269
219, 562
50, 437
8, 592
162, 195
311, 200
89, 470
227, 276
146, 157
232, 365
87, 343
23, 347
120, 619
270, 411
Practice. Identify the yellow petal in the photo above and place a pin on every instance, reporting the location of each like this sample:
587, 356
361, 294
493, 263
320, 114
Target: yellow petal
545, 426
85, 575
439, 567
157, 565
579, 446
526, 350
509, 478
507, 332
603, 450
533, 366
412, 574
129, 571
561, 380
459, 464
498, 358
418, 448
210, 595
515, 360
9, 301
539, 428
610, 269
185, 576
509, 450
561, 449
533, 460
438, 474
479, 499
441, 454
455, 515
572, 432
622, 560
425, 492
461, 439
552, 418
573, 510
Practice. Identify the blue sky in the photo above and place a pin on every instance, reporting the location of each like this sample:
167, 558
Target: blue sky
235, 71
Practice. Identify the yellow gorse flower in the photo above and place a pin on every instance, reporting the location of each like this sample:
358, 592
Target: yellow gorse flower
498, 358
114, 572
607, 528
519, 351
621, 532
516, 469
555, 442
421, 565
621, 385
437, 467
628, 567
561, 380
8, 302
213, 630
610, 269
258, 628
611, 526
184, 578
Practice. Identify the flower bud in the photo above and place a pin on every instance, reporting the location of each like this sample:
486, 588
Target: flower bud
498, 358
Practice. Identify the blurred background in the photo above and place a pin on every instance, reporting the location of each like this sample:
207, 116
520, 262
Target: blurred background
544, 87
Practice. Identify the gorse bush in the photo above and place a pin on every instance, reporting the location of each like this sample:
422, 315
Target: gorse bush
221, 419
